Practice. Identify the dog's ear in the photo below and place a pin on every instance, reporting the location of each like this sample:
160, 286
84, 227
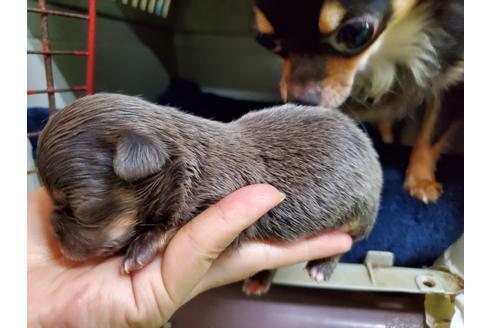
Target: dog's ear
138, 156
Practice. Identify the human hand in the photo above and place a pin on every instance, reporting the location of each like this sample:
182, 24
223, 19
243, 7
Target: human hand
96, 293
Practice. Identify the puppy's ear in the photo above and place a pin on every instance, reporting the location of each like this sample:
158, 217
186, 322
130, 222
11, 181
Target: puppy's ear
138, 156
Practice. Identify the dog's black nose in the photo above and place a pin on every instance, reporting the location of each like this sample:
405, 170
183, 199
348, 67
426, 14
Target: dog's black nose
311, 98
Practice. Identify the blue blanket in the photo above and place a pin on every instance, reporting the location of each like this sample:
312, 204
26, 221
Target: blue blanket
415, 232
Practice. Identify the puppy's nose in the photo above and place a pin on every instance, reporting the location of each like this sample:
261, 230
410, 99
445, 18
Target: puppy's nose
311, 98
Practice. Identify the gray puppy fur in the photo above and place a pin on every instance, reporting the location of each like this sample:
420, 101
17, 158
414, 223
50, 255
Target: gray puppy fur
125, 174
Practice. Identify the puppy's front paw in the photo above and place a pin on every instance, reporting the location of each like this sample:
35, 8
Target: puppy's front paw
140, 253
144, 248
426, 190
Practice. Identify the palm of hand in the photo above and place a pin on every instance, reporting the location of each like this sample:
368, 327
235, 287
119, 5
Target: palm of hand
95, 292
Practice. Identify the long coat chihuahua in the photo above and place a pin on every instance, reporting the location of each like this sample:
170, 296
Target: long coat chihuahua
379, 59
125, 174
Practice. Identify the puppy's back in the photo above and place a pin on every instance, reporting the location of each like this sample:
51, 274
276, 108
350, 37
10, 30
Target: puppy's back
324, 163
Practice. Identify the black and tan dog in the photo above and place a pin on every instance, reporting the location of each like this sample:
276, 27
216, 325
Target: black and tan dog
381, 59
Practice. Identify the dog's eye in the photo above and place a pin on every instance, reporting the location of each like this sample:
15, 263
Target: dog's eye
354, 34
271, 42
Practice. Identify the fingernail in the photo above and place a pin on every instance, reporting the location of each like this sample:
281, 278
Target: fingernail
282, 196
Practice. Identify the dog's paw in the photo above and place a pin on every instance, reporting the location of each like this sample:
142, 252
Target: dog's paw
145, 248
259, 284
322, 270
140, 253
428, 191
320, 273
252, 287
317, 274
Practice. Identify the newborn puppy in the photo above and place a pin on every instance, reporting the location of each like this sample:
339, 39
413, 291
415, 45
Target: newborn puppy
125, 174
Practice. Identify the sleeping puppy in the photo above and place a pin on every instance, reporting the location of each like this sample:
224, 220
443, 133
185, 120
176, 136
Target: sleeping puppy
377, 59
125, 174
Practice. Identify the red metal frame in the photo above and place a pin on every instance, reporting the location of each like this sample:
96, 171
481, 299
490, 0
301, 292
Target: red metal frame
47, 52
91, 47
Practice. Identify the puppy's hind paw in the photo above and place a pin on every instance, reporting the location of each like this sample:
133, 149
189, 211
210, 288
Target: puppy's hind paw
427, 191
321, 270
316, 274
252, 287
259, 284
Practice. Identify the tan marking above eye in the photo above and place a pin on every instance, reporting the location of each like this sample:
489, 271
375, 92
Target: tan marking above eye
264, 26
330, 16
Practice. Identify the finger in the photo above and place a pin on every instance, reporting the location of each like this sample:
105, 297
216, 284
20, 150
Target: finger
195, 246
253, 257
39, 205
39, 208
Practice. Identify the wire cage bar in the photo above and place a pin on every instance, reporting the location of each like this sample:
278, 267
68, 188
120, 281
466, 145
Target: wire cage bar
59, 52
44, 11
53, 90
47, 52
